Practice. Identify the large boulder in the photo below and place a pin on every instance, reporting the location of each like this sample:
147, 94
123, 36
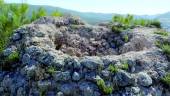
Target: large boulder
64, 56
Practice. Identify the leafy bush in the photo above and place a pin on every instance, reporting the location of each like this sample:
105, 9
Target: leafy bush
166, 79
105, 89
13, 16
155, 23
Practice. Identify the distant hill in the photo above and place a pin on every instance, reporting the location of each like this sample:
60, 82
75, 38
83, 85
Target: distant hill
165, 19
91, 18
94, 18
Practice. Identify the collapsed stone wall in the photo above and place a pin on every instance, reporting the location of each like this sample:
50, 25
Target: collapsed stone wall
64, 56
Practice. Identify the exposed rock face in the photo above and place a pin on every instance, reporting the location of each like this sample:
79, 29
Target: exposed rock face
64, 56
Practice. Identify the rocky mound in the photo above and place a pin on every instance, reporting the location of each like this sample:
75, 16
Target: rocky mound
64, 56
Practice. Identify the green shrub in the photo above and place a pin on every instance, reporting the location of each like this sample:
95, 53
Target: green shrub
13, 16
163, 33
113, 69
166, 79
105, 89
155, 23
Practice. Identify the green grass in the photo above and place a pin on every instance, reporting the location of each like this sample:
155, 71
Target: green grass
113, 69
105, 89
158, 43
164, 46
166, 79
163, 33
129, 21
166, 49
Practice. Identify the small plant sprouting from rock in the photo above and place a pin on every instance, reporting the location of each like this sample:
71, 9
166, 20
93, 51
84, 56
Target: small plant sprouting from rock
126, 38
51, 70
166, 79
125, 65
158, 43
113, 68
13, 57
105, 89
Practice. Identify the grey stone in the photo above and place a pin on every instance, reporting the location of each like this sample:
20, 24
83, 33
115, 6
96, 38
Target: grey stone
73, 63
47, 58
105, 73
144, 79
76, 76
44, 85
92, 62
67, 89
60, 94
96, 93
135, 90
30, 71
9, 51
26, 59
90, 76
16, 37
21, 92
51, 93
123, 78
62, 76
58, 62
34, 51
40, 34
1, 90
86, 89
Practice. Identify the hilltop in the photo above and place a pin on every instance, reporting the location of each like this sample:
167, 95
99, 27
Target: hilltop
65, 56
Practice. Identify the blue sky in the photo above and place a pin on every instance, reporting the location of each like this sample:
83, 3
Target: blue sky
140, 7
